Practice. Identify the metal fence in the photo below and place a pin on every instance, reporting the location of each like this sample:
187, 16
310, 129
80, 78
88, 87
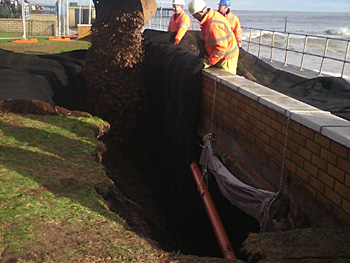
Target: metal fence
161, 18
325, 55
320, 54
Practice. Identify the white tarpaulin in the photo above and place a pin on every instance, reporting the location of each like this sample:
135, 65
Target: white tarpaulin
251, 200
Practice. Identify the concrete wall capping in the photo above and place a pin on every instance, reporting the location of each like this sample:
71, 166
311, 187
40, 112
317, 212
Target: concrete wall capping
318, 120
256, 92
284, 104
227, 81
338, 134
213, 73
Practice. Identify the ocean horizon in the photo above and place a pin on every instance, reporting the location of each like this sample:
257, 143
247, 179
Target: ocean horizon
323, 24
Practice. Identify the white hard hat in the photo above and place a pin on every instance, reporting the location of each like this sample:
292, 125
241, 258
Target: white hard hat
179, 2
196, 6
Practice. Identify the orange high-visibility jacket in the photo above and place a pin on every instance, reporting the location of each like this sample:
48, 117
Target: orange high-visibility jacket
220, 41
181, 24
235, 26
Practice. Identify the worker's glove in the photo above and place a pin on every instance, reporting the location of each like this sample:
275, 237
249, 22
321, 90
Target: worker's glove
206, 65
240, 44
176, 42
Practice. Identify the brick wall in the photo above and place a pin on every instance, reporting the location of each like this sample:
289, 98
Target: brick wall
252, 123
33, 27
43, 17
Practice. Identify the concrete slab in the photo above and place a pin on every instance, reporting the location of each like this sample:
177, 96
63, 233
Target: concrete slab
221, 76
213, 72
232, 81
239, 83
338, 134
317, 120
284, 104
256, 91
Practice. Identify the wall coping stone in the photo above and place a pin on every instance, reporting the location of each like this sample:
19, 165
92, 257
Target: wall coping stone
329, 125
338, 134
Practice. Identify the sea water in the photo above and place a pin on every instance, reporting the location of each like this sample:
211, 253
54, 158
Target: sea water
334, 26
312, 23
333, 29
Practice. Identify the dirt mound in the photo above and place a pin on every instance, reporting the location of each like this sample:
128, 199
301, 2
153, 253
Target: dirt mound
300, 245
114, 71
38, 107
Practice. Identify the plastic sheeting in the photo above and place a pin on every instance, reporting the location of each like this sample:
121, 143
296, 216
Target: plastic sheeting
55, 79
252, 201
174, 84
173, 75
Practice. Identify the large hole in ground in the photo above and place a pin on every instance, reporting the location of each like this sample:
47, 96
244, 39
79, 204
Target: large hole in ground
154, 170
172, 206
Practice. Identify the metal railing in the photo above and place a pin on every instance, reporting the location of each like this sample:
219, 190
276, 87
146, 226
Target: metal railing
281, 46
267, 39
161, 18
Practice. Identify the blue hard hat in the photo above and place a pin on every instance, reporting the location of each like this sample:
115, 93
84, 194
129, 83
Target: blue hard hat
225, 2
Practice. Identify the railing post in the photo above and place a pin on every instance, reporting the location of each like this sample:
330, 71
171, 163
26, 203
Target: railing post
250, 39
303, 55
259, 43
286, 54
345, 58
160, 20
272, 44
324, 55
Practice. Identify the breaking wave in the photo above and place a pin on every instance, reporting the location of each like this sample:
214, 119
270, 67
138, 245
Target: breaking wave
342, 31
256, 34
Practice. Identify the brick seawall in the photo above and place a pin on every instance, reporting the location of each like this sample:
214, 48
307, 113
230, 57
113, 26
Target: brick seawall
261, 129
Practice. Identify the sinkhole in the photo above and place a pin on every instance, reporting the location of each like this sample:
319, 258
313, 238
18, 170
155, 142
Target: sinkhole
171, 205
149, 150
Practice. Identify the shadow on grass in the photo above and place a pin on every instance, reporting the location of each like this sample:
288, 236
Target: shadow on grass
64, 166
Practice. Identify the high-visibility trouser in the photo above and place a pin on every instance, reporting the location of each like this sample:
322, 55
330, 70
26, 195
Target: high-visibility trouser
229, 65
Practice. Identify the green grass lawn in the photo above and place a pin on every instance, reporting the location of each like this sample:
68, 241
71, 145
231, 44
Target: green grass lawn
50, 208
10, 35
53, 188
43, 46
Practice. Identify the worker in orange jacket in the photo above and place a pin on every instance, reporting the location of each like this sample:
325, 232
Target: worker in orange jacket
224, 9
220, 41
180, 21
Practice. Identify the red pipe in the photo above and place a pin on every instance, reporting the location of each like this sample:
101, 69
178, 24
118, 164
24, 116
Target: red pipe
213, 215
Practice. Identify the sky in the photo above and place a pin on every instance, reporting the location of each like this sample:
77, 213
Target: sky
287, 5
261, 5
